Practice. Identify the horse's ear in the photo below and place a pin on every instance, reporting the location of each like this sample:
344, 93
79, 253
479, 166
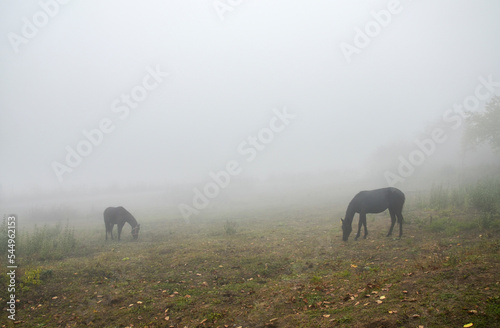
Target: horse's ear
342, 220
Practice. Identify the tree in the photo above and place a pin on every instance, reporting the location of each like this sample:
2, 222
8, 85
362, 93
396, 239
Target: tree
484, 127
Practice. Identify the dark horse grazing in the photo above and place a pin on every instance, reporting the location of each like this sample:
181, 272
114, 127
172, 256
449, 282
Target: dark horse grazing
118, 216
374, 201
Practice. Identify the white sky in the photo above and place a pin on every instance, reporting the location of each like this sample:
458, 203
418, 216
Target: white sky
225, 78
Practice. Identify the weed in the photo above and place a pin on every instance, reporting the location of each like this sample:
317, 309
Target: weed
493, 307
316, 280
214, 316
447, 296
230, 227
30, 278
180, 303
345, 319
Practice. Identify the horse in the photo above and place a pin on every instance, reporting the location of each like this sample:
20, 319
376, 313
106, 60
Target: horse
374, 201
119, 216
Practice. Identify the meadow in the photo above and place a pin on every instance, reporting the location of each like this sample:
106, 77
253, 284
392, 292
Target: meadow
269, 267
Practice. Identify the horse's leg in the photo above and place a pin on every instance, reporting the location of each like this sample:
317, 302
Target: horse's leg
366, 229
362, 220
400, 221
120, 227
393, 221
111, 225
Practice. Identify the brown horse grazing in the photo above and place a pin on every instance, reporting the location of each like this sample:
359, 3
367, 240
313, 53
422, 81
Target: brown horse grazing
374, 201
118, 216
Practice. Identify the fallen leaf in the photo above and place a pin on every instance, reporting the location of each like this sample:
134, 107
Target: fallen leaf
354, 266
382, 297
468, 325
472, 312
167, 318
139, 302
326, 316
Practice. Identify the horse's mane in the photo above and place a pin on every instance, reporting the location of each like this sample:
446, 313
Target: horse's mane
129, 218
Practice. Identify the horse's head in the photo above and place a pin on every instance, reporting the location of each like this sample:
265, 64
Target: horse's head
346, 230
135, 231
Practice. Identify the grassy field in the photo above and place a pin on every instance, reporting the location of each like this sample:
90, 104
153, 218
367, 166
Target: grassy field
265, 268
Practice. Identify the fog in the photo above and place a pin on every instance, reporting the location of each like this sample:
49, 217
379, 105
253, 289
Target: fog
100, 100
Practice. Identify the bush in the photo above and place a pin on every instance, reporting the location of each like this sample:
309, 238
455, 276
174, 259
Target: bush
485, 196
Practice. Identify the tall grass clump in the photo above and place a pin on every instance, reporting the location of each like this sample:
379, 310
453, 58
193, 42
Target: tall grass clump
230, 227
3, 238
48, 243
479, 204
439, 197
485, 198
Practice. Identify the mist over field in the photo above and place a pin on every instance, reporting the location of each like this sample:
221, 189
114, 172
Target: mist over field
228, 142
190, 106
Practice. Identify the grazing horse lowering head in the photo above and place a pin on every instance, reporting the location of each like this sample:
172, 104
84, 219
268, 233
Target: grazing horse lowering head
120, 216
374, 201
135, 231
